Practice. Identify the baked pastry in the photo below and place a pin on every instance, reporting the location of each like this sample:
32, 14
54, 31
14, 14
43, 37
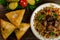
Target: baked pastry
6, 29
15, 17
21, 30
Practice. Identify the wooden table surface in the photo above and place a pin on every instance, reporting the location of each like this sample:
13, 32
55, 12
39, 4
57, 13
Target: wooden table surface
28, 35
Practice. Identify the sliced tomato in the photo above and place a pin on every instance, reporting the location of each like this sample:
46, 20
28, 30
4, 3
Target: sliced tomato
23, 3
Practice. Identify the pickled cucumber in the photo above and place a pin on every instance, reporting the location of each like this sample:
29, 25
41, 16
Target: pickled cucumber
13, 5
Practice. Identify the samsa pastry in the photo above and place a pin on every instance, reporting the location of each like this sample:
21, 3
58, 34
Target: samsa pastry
15, 17
6, 29
21, 30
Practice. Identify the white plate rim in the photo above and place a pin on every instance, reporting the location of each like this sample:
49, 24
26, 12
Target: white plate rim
32, 17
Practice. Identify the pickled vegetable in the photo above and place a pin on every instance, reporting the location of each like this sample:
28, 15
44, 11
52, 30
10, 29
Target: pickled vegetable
12, 0
31, 2
13, 5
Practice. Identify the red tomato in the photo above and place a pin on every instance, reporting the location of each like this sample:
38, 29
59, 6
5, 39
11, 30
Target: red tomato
23, 3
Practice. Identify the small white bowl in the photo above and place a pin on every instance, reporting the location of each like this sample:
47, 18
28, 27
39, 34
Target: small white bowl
32, 20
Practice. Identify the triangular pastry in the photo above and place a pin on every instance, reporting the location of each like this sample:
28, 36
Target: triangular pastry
15, 17
21, 30
6, 29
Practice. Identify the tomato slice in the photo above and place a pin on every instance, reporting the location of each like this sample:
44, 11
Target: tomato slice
23, 3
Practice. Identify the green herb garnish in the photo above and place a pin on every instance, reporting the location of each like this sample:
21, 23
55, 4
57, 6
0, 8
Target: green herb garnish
51, 33
3, 2
32, 7
37, 1
55, 15
40, 17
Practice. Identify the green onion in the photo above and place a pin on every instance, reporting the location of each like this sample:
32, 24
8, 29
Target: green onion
55, 15
40, 17
51, 33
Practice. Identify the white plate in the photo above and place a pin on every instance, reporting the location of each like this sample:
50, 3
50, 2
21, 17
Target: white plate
32, 22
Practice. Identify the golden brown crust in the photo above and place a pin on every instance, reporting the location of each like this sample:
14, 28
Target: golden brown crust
21, 31
6, 29
15, 17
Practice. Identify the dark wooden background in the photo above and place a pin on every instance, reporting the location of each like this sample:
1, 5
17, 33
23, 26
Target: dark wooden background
28, 35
